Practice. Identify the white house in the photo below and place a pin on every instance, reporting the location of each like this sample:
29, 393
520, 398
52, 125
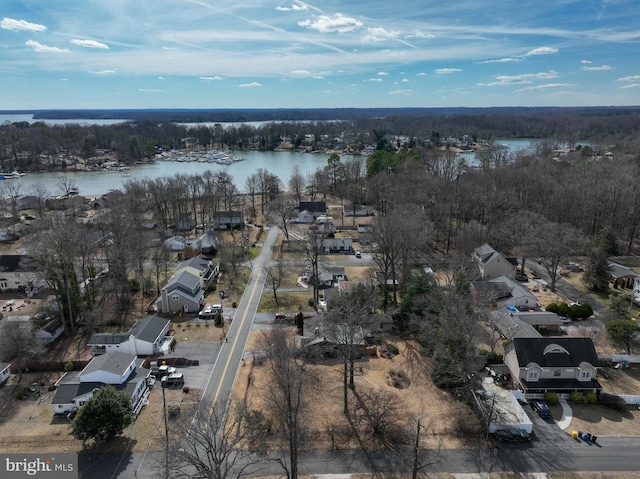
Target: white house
175, 243
5, 372
17, 273
50, 331
122, 371
150, 335
504, 292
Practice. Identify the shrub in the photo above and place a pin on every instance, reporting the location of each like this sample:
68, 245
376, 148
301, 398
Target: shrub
563, 309
234, 305
551, 397
576, 397
23, 393
173, 409
492, 357
310, 302
585, 311
591, 398
68, 366
552, 307
613, 401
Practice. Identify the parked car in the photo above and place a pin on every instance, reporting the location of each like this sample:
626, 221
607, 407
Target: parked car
541, 408
209, 312
166, 370
522, 277
176, 379
358, 253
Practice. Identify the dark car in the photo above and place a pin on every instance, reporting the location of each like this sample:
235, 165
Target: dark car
512, 435
522, 277
541, 408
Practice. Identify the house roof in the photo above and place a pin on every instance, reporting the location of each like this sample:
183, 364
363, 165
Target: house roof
555, 352
13, 262
115, 363
108, 338
619, 271
4, 366
200, 262
509, 325
313, 206
70, 386
149, 328
228, 214
539, 318
484, 252
183, 278
517, 289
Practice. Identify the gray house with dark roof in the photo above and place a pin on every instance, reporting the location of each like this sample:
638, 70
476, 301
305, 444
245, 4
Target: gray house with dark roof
148, 336
562, 365
186, 288
492, 264
17, 272
122, 371
5, 372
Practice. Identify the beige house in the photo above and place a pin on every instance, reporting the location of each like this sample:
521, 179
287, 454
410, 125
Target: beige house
492, 264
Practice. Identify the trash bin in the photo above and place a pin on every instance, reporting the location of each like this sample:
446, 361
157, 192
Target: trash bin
593, 438
574, 434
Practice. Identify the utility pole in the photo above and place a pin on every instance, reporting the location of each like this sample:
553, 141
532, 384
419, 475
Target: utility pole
166, 437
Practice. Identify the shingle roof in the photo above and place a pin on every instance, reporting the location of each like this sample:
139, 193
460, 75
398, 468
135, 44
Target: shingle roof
555, 352
149, 328
313, 206
116, 363
108, 338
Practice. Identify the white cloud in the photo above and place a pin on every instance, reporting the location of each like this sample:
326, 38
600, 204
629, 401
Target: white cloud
250, 85
40, 48
89, 44
104, 72
630, 85
401, 92
375, 79
404, 80
597, 69
379, 34
17, 25
293, 8
521, 79
629, 78
541, 51
503, 60
300, 72
214, 78
318, 77
338, 23
150, 90
420, 34
383, 74
422, 74
547, 86
586, 62
446, 71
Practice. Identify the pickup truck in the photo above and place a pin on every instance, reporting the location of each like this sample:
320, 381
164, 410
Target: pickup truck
174, 379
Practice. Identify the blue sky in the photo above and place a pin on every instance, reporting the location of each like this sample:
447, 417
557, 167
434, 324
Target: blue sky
328, 53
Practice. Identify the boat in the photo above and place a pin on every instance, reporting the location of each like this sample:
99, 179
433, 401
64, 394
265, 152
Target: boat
11, 176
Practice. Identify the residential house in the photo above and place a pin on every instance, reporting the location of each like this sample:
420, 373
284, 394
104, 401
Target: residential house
108, 199
5, 372
175, 243
391, 283
148, 336
17, 272
334, 245
503, 292
185, 290
329, 276
228, 220
185, 224
122, 371
621, 276
311, 210
561, 364
357, 210
29, 202
492, 264
50, 331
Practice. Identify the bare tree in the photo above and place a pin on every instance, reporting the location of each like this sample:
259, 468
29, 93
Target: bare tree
296, 182
344, 320
275, 273
556, 243
284, 397
18, 343
211, 444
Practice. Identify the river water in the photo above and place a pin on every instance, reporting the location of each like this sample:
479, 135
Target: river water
96, 183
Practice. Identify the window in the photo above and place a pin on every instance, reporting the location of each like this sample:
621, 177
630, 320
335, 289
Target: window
175, 297
533, 375
585, 375
557, 373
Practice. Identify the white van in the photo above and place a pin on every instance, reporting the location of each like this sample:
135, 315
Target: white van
174, 379
209, 312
